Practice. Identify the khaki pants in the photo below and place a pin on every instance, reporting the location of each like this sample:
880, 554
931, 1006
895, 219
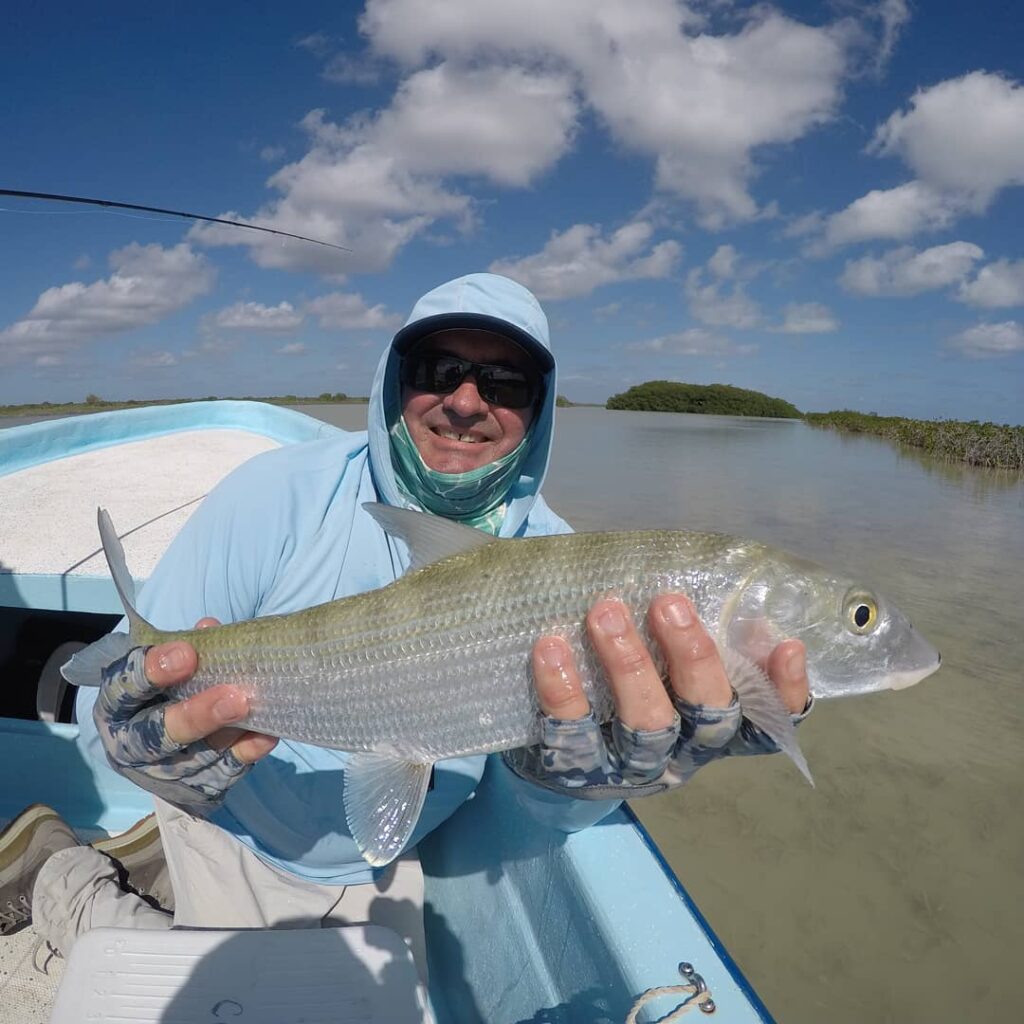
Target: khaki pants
219, 883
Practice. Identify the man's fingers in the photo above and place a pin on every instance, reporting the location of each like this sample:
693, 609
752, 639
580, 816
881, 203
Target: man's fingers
787, 669
202, 715
170, 663
694, 664
640, 698
252, 746
559, 690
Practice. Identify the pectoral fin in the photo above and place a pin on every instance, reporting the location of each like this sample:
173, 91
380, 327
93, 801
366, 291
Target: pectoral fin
761, 705
383, 799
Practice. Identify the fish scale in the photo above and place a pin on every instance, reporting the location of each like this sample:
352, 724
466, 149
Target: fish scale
438, 664
433, 667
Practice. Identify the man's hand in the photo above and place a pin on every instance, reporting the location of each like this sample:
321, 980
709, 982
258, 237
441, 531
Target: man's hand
659, 736
183, 751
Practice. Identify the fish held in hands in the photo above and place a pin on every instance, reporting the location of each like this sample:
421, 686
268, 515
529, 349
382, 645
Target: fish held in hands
438, 664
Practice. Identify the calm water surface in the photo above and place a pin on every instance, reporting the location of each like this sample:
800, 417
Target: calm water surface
891, 892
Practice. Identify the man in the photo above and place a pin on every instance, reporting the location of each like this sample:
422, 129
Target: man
253, 829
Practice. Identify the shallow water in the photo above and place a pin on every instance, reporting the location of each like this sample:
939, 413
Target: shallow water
892, 891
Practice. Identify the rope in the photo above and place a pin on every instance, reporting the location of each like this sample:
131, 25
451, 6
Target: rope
694, 989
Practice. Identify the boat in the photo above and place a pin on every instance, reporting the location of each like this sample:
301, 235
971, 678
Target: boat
523, 923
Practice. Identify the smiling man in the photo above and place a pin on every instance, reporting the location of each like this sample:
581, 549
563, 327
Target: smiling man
253, 828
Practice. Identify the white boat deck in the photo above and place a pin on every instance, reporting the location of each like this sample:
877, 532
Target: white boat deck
150, 487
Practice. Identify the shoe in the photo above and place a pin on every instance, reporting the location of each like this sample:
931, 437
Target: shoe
139, 856
25, 845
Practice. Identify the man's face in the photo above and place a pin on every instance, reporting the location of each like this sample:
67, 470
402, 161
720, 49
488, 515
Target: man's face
460, 431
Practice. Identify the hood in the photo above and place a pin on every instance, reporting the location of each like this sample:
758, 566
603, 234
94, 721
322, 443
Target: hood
478, 301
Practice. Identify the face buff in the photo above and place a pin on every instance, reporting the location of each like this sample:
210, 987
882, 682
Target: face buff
476, 498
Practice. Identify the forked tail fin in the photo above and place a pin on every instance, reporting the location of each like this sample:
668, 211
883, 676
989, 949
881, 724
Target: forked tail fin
123, 581
86, 667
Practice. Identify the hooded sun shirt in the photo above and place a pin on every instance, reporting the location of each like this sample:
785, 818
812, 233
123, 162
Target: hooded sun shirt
286, 531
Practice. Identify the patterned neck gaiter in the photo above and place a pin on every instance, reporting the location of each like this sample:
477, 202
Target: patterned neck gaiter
476, 498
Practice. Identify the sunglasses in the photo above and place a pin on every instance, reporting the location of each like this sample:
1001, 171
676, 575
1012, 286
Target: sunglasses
441, 373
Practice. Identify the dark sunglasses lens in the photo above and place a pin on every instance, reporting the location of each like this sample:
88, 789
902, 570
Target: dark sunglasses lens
505, 386
441, 374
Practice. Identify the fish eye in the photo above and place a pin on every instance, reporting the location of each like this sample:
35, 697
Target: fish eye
861, 612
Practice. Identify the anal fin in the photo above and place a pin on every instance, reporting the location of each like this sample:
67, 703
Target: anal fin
383, 799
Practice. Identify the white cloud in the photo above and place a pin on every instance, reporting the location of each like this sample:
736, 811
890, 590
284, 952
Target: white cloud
348, 310
893, 15
807, 318
294, 348
964, 136
576, 261
271, 154
317, 43
694, 341
895, 213
148, 284
374, 183
906, 271
443, 121
708, 300
984, 341
698, 103
254, 316
963, 139
155, 360
998, 285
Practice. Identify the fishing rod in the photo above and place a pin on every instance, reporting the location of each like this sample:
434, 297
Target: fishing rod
54, 197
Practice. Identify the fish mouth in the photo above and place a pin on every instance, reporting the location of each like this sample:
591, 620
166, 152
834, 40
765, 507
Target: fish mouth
908, 677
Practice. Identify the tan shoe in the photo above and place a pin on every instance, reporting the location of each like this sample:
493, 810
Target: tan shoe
25, 845
139, 856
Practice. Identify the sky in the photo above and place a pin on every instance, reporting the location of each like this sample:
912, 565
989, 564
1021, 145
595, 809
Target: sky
820, 201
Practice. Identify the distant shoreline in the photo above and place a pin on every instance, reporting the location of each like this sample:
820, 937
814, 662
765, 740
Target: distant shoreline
988, 445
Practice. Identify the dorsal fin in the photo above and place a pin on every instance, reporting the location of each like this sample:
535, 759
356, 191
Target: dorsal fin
428, 538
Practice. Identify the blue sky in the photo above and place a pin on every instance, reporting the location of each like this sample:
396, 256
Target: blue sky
820, 201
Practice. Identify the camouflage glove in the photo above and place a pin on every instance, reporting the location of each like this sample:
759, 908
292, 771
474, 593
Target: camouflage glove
582, 759
129, 717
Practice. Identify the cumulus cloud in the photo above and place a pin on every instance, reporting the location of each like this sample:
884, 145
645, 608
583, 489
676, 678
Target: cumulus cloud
998, 285
964, 142
895, 213
963, 136
694, 341
348, 310
987, 341
907, 271
712, 302
373, 183
293, 348
254, 316
495, 92
148, 284
576, 261
807, 318
662, 82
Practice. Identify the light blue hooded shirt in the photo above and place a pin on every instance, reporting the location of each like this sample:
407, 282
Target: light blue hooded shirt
286, 531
